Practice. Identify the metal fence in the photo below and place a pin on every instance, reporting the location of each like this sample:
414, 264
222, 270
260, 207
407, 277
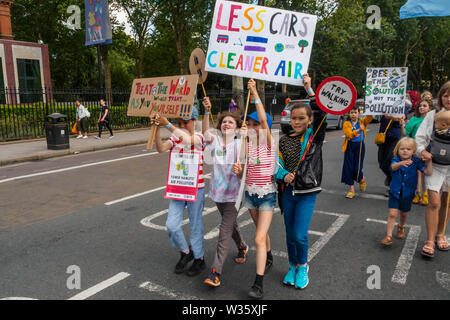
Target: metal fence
23, 113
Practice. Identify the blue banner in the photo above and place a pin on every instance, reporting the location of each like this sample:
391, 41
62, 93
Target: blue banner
98, 24
425, 8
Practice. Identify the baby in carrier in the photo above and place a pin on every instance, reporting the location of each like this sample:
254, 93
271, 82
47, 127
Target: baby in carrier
439, 145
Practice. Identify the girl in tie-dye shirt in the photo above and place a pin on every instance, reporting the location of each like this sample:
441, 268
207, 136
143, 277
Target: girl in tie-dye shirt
222, 147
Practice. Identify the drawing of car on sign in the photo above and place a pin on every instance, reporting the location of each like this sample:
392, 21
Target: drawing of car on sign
223, 38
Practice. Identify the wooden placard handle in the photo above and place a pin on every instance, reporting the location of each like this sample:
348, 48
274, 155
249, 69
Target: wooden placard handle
151, 138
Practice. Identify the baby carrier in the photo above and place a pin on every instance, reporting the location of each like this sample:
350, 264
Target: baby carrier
439, 147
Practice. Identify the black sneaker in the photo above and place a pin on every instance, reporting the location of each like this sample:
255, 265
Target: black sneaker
256, 292
184, 260
197, 267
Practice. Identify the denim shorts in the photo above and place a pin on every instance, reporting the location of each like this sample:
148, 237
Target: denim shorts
403, 204
266, 203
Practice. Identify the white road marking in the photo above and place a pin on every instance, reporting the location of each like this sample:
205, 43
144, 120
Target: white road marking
147, 222
360, 195
99, 287
323, 240
208, 176
75, 167
405, 261
443, 279
406, 257
134, 196
165, 292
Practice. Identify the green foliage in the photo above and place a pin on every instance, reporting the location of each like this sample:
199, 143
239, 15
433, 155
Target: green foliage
343, 45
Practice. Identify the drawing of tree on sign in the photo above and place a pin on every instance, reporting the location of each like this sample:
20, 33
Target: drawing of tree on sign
303, 44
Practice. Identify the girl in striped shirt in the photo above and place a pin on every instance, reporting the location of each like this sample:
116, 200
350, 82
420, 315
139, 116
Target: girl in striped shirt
185, 139
260, 194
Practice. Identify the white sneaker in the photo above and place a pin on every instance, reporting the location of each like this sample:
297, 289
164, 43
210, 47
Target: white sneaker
97, 137
85, 137
111, 137
80, 136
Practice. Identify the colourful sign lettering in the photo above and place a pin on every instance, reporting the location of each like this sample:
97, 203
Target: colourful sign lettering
257, 39
172, 97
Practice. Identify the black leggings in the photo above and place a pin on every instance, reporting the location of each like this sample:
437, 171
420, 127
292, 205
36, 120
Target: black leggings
385, 155
100, 127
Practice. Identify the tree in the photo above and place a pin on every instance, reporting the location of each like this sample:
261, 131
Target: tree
140, 14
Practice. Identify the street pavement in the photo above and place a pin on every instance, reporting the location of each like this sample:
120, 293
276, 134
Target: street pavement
99, 218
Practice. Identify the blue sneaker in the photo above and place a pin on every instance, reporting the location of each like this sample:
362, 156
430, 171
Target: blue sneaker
301, 278
290, 276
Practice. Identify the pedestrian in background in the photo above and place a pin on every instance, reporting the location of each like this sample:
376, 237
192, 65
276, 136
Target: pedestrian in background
410, 130
233, 106
82, 119
354, 149
104, 119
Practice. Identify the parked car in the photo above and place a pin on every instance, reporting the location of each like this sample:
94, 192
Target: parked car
285, 121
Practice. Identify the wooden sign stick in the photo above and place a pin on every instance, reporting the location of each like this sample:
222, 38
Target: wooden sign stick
151, 138
245, 119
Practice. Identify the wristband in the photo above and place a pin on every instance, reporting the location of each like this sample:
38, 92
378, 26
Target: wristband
206, 113
168, 125
310, 90
258, 101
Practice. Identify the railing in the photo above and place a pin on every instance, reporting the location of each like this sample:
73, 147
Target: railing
22, 113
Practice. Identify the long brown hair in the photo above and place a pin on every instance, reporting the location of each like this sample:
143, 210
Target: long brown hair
430, 104
234, 115
444, 89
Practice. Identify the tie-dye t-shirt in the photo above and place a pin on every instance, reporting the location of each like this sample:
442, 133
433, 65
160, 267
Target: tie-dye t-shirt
224, 186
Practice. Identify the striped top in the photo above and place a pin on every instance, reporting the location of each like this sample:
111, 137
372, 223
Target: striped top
260, 169
199, 145
290, 151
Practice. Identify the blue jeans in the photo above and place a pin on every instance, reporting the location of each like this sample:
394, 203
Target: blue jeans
175, 220
298, 211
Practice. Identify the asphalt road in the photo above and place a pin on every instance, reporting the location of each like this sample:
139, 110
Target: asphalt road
66, 219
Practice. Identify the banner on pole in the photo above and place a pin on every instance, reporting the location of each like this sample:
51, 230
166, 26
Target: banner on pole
386, 91
259, 42
98, 23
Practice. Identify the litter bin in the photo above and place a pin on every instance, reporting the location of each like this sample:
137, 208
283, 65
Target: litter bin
57, 131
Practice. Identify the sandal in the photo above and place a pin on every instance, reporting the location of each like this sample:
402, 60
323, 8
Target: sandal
387, 241
428, 251
441, 244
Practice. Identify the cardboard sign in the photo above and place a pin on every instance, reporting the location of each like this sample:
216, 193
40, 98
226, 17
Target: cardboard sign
259, 42
182, 178
171, 97
386, 91
197, 62
336, 95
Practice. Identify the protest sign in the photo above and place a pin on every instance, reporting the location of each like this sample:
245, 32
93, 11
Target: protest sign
386, 91
171, 97
336, 95
182, 178
259, 42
